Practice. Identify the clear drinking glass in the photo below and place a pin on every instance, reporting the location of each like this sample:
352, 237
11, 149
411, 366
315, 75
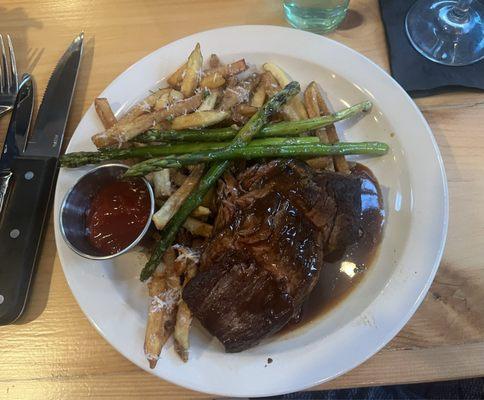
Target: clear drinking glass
449, 32
320, 16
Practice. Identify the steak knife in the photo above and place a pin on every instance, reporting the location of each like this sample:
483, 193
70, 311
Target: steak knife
34, 171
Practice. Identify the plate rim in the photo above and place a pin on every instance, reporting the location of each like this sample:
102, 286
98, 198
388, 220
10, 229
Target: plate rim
390, 333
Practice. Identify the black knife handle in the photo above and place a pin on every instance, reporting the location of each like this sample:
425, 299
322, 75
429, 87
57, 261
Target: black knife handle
21, 228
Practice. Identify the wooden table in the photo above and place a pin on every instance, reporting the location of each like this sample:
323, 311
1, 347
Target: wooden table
53, 352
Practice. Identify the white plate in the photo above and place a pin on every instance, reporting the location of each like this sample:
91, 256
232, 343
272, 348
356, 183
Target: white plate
416, 202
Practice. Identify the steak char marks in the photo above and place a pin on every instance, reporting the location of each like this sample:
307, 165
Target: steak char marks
275, 222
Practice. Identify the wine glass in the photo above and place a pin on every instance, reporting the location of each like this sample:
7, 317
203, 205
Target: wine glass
449, 32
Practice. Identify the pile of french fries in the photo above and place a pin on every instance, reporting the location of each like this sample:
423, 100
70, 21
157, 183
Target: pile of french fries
198, 97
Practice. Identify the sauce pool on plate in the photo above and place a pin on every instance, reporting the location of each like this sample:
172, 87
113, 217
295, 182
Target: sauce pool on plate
118, 214
343, 271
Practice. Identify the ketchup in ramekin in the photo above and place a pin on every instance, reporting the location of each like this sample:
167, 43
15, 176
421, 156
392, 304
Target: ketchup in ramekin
117, 215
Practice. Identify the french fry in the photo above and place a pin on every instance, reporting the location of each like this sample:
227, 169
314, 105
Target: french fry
162, 102
208, 201
177, 177
272, 87
177, 76
197, 227
232, 82
239, 93
199, 119
214, 61
321, 163
312, 107
259, 96
283, 79
218, 76
247, 110
237, 117
242, 112
163, 125
201, 212
162, 183
182, 330
104, 112
340, 163
290, 113
187, 262
212, 81
165, 291
209, 102
168, 98
193, 71
171, 206
175, 96
149, 178
192, 267
232, 69
143, 107
125, 130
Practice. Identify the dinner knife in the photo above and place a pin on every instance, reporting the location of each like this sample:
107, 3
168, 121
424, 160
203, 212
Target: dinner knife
34, 171
17, 133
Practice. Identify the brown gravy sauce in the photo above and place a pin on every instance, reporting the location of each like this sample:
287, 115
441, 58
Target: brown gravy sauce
342, 273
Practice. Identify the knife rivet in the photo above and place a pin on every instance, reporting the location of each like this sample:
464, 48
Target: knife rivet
29, 175
14, 233
2, 299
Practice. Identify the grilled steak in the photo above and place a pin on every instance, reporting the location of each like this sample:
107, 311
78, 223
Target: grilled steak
274, 224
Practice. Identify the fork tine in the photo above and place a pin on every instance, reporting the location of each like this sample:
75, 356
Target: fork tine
13, 66
5, 72
3, 65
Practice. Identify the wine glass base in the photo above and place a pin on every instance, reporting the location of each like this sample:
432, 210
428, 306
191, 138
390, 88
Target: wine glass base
441, 37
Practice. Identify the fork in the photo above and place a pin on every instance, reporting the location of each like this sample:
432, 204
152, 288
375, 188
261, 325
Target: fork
8, 76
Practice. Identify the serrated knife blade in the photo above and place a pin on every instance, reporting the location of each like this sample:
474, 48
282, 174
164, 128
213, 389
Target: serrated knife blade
48, 133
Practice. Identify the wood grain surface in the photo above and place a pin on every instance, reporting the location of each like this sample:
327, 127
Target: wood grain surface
53, 352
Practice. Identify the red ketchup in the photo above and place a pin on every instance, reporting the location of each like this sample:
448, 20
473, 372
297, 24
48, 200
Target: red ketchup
118, 214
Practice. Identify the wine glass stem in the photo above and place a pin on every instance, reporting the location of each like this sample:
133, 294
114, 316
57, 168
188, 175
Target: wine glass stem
460, 11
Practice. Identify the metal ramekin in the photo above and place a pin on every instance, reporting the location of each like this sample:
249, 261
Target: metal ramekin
77, 201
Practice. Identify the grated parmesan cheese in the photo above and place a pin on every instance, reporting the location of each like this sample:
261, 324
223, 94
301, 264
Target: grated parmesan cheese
151, 357
164, 300
241, 93
186, 253
144, 106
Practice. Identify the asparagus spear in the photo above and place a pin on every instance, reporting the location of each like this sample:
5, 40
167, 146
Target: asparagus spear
80, 158
251, 152
292, 128
187, 135
251, 128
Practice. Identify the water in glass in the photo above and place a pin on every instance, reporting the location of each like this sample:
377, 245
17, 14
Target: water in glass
320, 16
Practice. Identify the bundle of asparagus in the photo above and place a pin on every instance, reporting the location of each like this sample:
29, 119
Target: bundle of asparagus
190, 141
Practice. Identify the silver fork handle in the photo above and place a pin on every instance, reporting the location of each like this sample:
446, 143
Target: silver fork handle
5, 177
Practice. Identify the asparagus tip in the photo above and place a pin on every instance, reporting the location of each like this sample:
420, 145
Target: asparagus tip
131, 174
293, 87
145, 274
367, 105
384, 147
